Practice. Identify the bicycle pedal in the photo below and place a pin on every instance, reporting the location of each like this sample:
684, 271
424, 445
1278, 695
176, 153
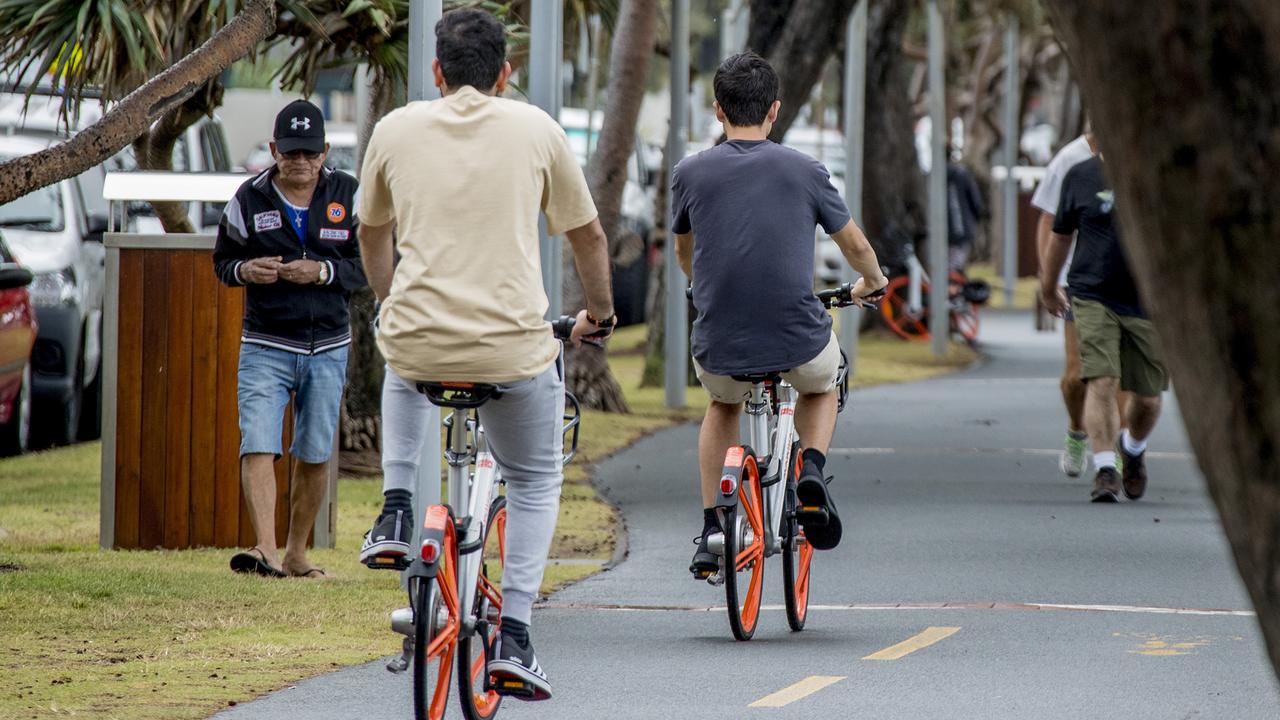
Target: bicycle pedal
813, 515
510, 687
388, 562
702, 574
715, 579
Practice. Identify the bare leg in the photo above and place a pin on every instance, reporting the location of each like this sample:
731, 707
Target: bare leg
1143, 414
1073, 388
1124, 401
719, 432
305, 497
258, 479
1101, 417
816, 420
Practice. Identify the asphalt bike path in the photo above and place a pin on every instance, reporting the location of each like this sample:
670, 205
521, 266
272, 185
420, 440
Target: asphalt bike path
974, 581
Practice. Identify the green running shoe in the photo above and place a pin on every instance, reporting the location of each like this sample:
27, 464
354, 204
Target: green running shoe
1075, 454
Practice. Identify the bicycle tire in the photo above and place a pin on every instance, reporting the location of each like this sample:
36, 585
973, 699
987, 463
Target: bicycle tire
432, 646
797, 553
896, 315
745, 558
477, 704
964, 322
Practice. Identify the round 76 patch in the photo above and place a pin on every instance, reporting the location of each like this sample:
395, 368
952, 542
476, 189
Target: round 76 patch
336, 212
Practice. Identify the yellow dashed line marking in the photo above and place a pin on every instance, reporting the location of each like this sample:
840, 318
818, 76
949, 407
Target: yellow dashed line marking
802, 689
914, 643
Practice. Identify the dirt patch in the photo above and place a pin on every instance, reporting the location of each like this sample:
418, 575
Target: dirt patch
11, 567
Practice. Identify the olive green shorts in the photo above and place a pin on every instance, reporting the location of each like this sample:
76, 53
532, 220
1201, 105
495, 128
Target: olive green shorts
1119, 346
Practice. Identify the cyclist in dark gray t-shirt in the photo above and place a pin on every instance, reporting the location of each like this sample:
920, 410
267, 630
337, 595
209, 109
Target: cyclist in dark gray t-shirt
744, 214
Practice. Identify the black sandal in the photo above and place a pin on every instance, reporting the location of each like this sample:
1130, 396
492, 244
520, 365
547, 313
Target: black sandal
817, 514
248, 562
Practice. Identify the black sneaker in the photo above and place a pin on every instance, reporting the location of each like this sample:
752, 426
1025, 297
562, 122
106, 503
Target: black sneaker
1106, 486
1134, 475
704, 562
515, 672
386, 545
816, 511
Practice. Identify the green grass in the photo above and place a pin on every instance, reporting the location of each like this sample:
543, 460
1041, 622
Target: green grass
175, 634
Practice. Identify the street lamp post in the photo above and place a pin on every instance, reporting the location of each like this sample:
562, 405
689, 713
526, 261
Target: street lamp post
855, 87
939, 312
676, 332
1011, 128
545, 56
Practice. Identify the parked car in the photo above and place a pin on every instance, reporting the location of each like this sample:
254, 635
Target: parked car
630, 281
56, 233
17, 337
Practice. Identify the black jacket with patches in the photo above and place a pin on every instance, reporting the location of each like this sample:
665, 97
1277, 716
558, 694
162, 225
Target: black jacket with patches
305, 319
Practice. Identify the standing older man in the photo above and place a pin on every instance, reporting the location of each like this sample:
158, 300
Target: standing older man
288, 236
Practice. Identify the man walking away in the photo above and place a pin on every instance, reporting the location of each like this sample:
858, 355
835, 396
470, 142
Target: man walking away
288, 236
1119, 348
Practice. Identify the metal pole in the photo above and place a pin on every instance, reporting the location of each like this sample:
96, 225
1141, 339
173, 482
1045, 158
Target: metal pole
939, 312
676, 333
544, 91
855, 87
1011, 128
423, 16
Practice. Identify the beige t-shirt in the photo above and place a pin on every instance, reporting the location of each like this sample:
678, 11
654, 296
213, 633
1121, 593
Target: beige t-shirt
465, 177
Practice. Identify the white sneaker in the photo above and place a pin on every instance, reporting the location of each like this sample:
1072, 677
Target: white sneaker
1074, 460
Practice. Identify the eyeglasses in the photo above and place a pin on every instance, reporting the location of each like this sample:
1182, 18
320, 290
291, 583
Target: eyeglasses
301, 155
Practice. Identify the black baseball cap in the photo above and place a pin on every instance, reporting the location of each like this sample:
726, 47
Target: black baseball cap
300, 126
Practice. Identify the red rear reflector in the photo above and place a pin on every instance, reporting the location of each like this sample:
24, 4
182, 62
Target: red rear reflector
728, 485
430, 550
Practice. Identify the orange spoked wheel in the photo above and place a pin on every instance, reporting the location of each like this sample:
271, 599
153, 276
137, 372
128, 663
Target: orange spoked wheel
435, 635
744, 552
896, 310
477, 703
797, 553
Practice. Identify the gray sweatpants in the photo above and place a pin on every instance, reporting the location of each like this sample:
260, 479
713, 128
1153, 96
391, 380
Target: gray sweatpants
523, 428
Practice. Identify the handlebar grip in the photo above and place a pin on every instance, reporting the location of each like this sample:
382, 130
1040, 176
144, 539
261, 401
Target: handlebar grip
563, 326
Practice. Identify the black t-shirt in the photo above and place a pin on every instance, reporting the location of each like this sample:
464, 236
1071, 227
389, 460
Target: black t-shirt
1099, 269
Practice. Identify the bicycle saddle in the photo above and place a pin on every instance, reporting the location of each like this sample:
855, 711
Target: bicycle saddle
459, 394
773, 377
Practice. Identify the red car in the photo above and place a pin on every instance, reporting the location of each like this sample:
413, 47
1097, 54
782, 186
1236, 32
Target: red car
17, 335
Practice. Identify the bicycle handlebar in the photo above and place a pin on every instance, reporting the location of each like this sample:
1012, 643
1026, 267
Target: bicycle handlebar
843, 297
562, 327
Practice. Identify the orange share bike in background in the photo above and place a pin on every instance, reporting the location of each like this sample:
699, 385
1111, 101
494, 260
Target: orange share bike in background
905, 309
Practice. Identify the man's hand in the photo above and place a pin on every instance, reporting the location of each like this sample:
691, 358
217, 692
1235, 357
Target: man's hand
302, 272
584, 327
1054, 298
260, 271
864, 287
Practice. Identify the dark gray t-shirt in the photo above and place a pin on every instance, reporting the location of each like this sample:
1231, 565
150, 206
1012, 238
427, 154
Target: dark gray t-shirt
752, 207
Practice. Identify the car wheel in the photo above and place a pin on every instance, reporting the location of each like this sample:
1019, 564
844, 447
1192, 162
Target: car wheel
91, 408
16, 434
54, 425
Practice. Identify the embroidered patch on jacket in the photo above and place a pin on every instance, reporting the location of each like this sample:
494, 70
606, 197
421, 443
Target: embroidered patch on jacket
269, 220
334, 234
336, 212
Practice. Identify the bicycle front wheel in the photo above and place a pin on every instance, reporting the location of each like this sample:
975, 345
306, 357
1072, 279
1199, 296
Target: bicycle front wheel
435, 634
797, 553
896, 310
477, 703
744, 552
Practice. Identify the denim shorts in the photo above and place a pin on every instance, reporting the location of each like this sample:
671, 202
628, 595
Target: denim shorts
267, 377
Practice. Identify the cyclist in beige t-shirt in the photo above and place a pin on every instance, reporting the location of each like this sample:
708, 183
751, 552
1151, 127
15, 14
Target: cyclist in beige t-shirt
461, 181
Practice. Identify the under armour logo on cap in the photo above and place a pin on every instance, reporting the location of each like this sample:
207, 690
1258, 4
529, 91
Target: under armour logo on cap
299, 126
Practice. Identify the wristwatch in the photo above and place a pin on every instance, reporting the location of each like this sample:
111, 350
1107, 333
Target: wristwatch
324, 274
603, 323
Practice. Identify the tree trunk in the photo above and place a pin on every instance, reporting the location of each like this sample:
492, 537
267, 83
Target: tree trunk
153, 150
135, 114
1185, 100
892, 206
587, 369
813, 31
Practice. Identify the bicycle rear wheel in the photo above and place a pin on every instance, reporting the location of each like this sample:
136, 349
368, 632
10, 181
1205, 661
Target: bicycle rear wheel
797, 553
477, 703
435, 633
744, 552
964, 315
896, 312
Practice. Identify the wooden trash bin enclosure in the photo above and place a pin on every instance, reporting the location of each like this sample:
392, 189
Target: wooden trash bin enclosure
171, 436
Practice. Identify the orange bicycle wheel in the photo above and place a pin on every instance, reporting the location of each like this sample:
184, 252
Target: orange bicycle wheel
477, 703
435, 635
964, 314
897, 313
797, 553
744, 552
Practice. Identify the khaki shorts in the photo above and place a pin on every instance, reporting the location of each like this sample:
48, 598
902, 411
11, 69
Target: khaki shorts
1119, 346
815, 377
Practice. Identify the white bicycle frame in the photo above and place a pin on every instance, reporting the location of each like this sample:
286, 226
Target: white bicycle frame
778, 440
471, 494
